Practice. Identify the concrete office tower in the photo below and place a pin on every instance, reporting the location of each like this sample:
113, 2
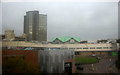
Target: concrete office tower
35, 26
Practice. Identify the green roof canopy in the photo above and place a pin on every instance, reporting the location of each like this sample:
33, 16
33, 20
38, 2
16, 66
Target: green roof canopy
77, 39
64, 39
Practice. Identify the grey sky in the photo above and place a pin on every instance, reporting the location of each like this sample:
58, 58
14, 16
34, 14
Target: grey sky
89, 21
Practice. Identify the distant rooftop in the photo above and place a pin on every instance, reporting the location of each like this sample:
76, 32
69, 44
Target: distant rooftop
43, 13
36, 11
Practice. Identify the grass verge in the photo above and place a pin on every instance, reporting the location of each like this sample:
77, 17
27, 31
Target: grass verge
86, 60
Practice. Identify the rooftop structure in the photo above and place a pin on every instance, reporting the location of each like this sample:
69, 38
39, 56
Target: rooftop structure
9, 35
66, 40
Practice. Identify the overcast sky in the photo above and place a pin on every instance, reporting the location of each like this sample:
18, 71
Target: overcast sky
89, 21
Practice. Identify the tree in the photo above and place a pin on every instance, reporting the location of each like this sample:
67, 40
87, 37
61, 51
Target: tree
18, 65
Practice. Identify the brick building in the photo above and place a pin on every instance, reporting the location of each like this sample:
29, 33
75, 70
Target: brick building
29, 56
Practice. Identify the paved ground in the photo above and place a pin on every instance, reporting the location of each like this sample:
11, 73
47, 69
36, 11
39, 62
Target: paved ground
105, 65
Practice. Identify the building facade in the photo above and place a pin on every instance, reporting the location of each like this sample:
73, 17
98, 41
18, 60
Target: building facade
35, 26
54, 60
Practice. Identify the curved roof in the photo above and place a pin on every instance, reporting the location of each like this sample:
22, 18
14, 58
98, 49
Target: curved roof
64, 39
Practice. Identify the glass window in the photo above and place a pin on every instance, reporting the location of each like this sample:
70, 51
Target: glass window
77, 53
110, 47
78, 48
85, 48
99, 47
105, 47
92, 47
